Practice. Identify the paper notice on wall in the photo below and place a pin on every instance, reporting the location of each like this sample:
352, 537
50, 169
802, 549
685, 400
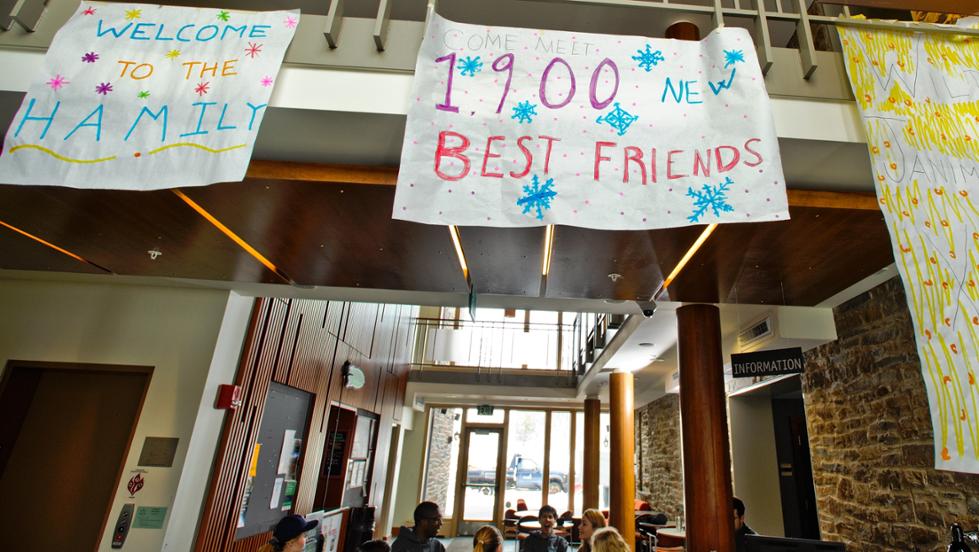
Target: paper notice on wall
524, 127
143, 96
288, 437
276, 493
919, 100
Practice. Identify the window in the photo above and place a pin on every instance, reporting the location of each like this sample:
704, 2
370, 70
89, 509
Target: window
604, 462
559, 475
525, 458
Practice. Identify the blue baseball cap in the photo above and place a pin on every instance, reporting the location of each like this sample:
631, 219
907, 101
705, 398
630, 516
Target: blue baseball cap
291, 527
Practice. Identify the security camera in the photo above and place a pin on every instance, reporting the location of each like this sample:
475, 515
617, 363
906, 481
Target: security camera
648, 308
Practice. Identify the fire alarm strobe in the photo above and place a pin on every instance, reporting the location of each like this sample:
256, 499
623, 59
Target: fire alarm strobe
122, 526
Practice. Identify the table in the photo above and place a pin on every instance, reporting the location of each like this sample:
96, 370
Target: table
536, 524
672, 532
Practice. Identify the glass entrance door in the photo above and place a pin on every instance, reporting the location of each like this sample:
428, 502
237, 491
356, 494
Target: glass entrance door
482, 483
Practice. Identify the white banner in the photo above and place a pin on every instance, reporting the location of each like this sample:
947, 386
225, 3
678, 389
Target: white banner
141, 96
918, 96
522, 127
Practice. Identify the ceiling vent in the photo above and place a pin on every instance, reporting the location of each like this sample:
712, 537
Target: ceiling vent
754, 333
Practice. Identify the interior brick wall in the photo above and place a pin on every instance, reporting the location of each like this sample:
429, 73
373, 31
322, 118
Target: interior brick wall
660, 467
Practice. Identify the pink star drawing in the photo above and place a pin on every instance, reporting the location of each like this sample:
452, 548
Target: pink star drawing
266, 81
202, 88
90, 57
291, 22
89, 11
253, 49
103, 88
57, 82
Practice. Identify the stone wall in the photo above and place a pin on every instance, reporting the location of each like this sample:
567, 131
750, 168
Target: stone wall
660, 477
870, 434
439, 454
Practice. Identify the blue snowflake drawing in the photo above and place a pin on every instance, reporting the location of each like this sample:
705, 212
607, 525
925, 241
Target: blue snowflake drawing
733, 56
618, 118
537, 196
710, 197
469, 66
524, 112
648, 58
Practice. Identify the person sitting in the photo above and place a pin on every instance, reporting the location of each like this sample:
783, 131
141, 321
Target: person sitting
421, 537
545, 540
608, 539
487, 539
741, 528
374, 546
289, 535
591, 520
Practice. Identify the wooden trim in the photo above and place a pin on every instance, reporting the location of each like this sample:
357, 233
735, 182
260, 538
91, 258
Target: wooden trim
592, 435
315, 172
572, 474
622, 436
388, 176
545, 481
833, 200
87, 367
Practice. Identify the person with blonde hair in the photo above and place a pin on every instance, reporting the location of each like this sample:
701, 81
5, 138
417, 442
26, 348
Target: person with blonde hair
487, 539
591, 521
608, 539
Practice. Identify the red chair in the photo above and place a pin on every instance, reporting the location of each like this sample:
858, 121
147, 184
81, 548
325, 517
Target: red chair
521, 505
642, 506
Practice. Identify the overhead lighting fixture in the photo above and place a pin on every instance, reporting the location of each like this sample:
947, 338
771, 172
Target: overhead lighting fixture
457, 242
686, 258
46, 243
548, 249
231, 235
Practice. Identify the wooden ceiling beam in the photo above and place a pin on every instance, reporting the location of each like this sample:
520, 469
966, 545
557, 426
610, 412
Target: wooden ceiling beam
388, 176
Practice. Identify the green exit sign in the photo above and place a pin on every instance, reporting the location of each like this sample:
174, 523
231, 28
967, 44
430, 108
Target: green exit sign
484, 410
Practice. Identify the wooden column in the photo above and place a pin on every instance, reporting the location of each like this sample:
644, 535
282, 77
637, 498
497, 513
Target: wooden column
593, 414
706, 454
622, 475
683, 30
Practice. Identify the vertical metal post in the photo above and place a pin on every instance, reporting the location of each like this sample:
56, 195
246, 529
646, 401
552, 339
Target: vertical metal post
718, 16
334, 20
29, 14
807, 50
381, 24
764, 46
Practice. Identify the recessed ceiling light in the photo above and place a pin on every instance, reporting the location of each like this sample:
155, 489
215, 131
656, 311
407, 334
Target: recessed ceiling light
645, 344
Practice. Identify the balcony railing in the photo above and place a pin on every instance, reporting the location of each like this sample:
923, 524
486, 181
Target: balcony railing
794, 41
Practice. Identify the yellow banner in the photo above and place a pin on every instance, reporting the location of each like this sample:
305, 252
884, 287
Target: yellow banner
918, 95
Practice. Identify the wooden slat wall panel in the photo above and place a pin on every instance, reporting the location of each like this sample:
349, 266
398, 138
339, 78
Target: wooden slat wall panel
298, 343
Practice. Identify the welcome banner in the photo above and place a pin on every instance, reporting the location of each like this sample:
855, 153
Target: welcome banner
523, 127
140, 96
919, 100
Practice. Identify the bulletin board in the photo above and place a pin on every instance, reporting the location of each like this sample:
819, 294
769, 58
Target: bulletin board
273, 482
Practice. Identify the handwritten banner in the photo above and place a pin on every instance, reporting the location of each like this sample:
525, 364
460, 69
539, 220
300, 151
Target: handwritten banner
919, 101
141, 96
521, 127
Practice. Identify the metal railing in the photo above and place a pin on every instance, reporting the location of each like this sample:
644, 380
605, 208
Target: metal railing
784, 32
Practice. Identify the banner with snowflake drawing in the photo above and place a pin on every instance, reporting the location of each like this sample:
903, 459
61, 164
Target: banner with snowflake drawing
523, 127
141, 96
919, 101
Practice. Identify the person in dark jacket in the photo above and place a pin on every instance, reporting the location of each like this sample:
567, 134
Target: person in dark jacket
421, 537
741, 528
545, 540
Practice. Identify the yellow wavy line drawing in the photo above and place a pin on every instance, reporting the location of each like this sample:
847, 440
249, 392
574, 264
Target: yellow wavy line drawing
59, 156
192, 145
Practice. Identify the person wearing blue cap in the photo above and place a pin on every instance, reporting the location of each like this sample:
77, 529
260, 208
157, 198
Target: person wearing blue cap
289, 535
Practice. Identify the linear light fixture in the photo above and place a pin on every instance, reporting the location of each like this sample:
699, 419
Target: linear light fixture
548, 249
457, 242
52, 246
686, 258
234, 237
